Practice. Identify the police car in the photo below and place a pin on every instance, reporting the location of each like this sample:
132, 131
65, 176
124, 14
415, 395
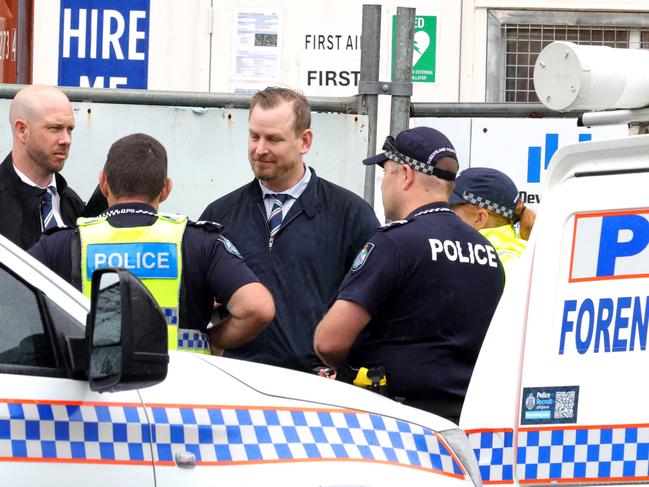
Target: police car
107, 405
558, 392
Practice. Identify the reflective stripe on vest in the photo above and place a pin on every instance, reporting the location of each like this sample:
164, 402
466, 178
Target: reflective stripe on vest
193, 341
507, 243
153, 253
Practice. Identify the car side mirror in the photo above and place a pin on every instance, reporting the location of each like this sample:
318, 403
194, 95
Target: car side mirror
126, 332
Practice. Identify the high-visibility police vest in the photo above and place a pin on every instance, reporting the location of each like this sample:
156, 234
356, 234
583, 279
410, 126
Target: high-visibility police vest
508, 244
153, 254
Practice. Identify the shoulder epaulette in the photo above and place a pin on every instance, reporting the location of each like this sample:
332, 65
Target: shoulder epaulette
207, 225
392, 224
90, 220
174, 217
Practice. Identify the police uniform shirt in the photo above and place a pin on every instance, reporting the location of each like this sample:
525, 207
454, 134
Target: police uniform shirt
431, 284
212, 266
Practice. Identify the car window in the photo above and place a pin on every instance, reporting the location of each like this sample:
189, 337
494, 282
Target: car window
23, 337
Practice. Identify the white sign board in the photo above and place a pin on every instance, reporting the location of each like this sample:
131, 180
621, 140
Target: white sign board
522, 148
331, 61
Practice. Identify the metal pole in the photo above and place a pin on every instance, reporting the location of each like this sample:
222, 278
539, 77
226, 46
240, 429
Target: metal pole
345, 105
370, 58
402, 72
488, 110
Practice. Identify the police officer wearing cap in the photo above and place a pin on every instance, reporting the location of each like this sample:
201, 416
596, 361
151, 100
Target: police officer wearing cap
488, 200
420, 294
185, 265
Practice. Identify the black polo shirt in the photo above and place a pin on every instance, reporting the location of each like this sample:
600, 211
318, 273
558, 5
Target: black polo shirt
212, 268
431, 285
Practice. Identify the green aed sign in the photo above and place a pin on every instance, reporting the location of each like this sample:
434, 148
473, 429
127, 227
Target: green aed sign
424, 48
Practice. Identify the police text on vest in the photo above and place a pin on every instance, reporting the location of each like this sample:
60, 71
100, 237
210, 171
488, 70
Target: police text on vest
146, 260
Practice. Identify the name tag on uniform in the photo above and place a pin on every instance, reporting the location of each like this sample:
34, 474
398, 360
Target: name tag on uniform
145, 260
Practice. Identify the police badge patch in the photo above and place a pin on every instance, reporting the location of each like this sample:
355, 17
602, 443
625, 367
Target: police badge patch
229, 246
362, 256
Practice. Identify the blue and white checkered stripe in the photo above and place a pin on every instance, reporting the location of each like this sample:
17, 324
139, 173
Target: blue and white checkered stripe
563, 454
494, 451
192, 340
73, 432
171, 315
601, 453
218, 436
120, 433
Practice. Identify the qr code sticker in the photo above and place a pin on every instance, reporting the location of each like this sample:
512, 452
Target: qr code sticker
564, 405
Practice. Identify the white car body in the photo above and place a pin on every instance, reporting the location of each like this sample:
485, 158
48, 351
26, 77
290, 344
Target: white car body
212, 421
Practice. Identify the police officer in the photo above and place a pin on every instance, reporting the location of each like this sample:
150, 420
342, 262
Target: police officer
488, 200
185, 265
419, 296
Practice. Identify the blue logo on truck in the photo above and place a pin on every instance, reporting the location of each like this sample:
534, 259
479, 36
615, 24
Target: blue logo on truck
622, 236
611, 245
607, 246
104, 44
605, 325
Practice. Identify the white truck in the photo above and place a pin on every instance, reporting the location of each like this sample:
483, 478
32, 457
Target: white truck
557, 394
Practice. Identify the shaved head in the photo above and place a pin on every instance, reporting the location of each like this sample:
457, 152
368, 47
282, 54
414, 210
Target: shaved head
34, 100
42, 121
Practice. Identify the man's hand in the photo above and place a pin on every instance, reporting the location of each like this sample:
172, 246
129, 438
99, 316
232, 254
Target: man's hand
337, 331
250, 309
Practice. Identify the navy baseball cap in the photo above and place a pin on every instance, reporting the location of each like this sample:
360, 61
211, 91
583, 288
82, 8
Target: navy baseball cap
487, 188
420, 148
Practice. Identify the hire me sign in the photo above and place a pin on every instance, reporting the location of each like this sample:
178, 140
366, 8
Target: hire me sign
104, 43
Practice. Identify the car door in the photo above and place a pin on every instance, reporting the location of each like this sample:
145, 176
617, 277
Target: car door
53, 429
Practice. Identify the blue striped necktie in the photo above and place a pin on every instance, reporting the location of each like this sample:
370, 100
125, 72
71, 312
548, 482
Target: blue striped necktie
275, 218
47, 210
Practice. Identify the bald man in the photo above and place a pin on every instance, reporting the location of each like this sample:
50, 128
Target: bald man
33, 195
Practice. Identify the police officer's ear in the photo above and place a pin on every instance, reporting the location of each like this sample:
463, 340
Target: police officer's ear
103, 184
166, 190
481, 218
408, 174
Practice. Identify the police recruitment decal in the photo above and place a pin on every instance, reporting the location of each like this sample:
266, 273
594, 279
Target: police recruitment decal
104, 43
549, 405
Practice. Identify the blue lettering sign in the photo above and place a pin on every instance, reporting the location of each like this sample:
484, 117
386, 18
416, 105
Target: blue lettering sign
611, 246
104, 43
145, 260
606, 325
535, 153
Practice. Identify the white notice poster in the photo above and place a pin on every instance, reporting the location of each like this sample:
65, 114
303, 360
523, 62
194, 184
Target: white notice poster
256, 44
